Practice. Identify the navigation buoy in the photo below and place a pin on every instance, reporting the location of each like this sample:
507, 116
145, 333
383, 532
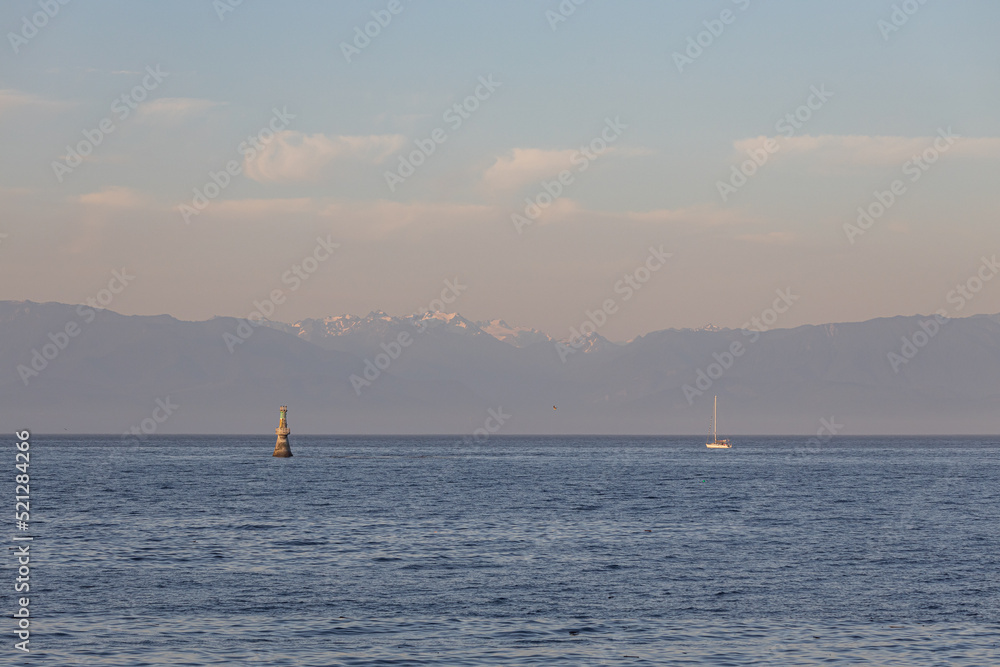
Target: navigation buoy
282, 448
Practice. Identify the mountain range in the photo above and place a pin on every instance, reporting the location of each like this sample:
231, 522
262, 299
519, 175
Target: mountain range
76, 369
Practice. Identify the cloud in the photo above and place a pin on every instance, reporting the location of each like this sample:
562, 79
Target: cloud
173, 109
12, 99
530, 166
114, 197
386, 219
370, 220
294, 156
701, 215
866, 150
523, 166
566, 211
264, 208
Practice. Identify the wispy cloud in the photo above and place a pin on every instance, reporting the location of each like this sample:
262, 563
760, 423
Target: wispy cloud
173, 109
523, 166
356, 219
246, 209
701, 215
529, 166
387, 219
295, 156
115, 197
12, 99
381, 219
861, 150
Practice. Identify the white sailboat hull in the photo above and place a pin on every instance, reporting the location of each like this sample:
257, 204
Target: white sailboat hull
715, 443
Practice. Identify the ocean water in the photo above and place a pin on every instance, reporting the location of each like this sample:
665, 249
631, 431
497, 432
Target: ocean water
516, 551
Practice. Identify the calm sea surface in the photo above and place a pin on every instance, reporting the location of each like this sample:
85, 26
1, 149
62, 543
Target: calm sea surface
519, 551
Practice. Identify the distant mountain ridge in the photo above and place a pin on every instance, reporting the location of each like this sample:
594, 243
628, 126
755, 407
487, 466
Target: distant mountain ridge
379, 323
443, 373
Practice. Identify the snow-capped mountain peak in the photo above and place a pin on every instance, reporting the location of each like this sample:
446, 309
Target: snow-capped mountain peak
516, 336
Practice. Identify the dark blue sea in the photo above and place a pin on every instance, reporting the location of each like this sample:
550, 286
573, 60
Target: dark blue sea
516, 551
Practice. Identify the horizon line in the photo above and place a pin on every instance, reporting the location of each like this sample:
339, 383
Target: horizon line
705, 328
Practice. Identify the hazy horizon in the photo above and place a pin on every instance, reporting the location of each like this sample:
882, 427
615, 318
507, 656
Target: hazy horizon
710, 326
836, 108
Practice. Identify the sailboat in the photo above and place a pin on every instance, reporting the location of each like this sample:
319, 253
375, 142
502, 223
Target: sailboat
716, 443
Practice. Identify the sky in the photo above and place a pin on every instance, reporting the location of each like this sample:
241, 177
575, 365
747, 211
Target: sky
542, 155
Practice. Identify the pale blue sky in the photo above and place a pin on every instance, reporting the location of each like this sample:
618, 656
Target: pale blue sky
325, 175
